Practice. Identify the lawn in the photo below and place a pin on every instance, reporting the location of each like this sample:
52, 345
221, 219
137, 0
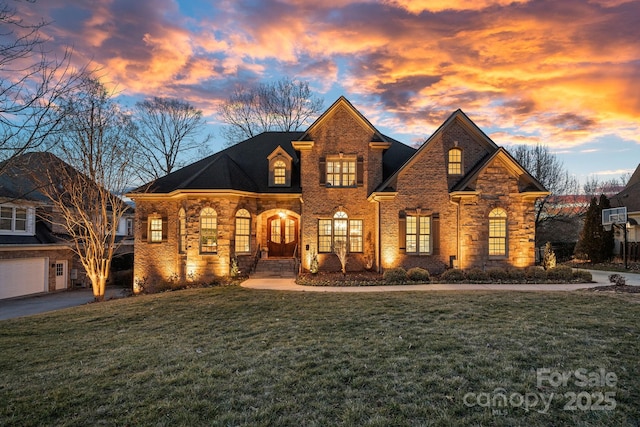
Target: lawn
232, 356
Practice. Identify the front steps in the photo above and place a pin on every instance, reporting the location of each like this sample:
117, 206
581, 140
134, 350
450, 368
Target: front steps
274, 268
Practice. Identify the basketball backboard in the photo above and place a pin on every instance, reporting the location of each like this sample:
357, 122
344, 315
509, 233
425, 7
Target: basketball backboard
614, 216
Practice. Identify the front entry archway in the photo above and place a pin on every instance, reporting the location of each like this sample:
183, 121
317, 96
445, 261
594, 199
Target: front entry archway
282, 235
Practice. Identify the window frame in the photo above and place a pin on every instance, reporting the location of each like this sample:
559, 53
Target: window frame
153, 231
279, 173
182, 231
210, 215
347, 231
350, 176
13, 219
455, 162
417, 229
243, 217
498, 244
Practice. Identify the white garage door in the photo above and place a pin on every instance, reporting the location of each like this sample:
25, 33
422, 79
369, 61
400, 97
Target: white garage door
22, 277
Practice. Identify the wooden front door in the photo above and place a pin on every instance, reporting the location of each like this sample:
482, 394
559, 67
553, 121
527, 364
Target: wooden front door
282, 235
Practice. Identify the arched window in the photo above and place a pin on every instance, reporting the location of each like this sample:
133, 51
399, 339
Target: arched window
498, 232
340, 230
208, 231
243, 231
182, 231
279, 173
455, 161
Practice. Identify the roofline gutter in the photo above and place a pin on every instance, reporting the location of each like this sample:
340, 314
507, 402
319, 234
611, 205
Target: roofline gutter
34, 247
208, 193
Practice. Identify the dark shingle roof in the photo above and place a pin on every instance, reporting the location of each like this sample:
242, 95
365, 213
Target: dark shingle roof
16, 180
244, 167
630, 195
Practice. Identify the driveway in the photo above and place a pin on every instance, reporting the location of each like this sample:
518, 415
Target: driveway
42, 303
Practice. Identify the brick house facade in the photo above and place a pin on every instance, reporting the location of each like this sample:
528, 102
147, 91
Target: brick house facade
458, 200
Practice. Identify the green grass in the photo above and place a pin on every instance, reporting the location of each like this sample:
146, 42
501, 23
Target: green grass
232, 356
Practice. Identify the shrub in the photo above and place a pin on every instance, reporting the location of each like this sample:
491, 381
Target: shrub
453, 275
497, 274
516, 274
535, 273
582, 276
395, 275
477, 275
617, 279
418, 274
561, 272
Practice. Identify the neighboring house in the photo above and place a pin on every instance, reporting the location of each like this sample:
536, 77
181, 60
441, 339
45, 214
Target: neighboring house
35, 255
630, 198
458, 200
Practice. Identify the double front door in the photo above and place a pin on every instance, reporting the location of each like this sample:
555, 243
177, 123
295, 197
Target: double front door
282, 235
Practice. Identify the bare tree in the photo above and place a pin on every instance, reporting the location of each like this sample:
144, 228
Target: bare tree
166, 128
96, 146
284, 105
550, 172
31, 84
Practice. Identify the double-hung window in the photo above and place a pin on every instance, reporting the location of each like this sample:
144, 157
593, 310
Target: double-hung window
243, 231
155, 229
338, 231
455, 161
13, 219
208, 231
498, 232
341, 172
418, 234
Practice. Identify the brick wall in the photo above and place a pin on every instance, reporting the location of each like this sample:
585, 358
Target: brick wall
341, 132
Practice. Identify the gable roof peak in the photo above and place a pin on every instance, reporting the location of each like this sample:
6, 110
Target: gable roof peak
344, 102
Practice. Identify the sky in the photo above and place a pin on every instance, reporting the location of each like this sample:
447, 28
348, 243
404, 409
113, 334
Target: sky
563, 73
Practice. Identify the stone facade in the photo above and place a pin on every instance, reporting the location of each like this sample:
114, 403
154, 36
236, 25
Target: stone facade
455, 206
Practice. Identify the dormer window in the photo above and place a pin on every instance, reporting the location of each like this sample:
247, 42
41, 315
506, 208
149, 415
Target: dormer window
455, 161
279, 168
16, 220
279, 173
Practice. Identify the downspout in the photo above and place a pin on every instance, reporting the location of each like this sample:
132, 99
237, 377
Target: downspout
378, 248
458, 242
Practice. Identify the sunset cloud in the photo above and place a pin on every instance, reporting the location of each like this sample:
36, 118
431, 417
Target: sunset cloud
560, 73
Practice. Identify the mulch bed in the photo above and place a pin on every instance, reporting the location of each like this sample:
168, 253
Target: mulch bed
616, 288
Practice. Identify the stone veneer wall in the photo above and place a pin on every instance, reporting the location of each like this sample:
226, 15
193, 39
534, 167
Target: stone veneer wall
155, 262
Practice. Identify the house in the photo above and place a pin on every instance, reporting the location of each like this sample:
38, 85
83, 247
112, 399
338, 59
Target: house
35, 254
629, 197
458, 200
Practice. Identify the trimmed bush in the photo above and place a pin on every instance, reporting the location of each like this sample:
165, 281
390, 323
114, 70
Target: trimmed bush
516, 274
395, 275
561, 272
582, 276
535, 273
617, 279
477, 275
418, 274
497, 274
453, 275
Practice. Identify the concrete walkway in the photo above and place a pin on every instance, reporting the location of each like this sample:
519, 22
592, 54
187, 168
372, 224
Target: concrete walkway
600, 277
